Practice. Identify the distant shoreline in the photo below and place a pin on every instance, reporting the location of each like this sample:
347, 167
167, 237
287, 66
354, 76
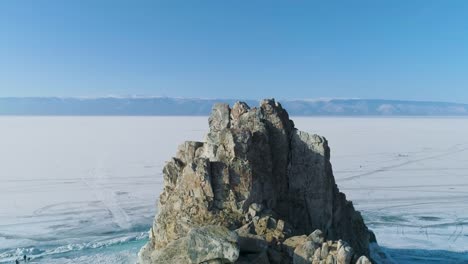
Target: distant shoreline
166, 106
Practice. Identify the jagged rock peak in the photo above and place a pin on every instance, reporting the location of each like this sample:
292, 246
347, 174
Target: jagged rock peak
256, 174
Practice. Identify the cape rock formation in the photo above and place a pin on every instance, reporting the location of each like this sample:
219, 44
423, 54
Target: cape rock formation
256, 191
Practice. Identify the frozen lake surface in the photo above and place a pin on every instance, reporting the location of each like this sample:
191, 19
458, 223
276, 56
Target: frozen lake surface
83, 189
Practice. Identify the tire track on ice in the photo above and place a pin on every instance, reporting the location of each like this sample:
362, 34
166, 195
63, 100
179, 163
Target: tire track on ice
388, 168
108, 198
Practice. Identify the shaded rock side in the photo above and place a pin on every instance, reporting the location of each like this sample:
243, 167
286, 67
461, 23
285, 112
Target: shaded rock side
254, 159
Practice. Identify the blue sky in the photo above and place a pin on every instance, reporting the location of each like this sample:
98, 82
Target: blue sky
414, 50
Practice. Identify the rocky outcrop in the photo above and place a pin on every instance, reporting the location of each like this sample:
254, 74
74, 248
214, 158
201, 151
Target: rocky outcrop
210, 244
257, 175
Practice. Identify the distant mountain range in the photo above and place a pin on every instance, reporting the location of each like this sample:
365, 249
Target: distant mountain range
166, 106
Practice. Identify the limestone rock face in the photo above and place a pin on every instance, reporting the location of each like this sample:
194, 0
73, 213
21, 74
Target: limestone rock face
208, 244
363, 260
256, 174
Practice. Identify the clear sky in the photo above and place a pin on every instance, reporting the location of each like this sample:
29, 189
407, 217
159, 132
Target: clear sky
408, 49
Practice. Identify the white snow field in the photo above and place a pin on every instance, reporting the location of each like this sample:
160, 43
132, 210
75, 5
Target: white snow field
83, 189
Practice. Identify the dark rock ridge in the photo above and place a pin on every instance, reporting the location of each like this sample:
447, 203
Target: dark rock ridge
269, 185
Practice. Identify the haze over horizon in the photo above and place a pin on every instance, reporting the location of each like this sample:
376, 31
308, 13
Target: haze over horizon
279, 99
405, 50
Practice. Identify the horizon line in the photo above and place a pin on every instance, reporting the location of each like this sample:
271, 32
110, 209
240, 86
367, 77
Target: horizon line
320, 99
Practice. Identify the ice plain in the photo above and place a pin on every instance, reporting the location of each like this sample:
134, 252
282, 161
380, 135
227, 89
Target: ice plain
84, 189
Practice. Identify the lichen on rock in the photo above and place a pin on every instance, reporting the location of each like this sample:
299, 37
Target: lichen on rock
257, 175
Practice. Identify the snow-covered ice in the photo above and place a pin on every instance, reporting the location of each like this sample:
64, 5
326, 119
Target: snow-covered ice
72, 184
83, 189
408, 177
